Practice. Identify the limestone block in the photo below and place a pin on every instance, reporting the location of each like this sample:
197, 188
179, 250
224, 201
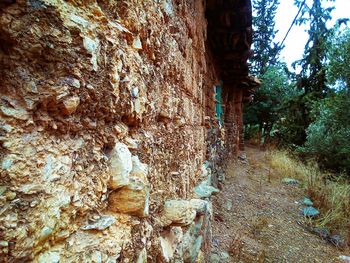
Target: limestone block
92, 46
131, 143
120, 166
139, 169
204, 190
137, 44
132, 199
200, 206
192, 252
52, 257
178, 212
193, 239
101, 224
169, 241
18, 113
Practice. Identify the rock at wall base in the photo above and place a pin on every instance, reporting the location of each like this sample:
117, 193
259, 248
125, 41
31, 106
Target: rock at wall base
205, 190
169, 242
219, 257
178, 213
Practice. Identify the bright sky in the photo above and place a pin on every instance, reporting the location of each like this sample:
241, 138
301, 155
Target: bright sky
296, 40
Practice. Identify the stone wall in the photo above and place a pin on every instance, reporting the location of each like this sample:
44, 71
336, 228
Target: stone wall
108, 135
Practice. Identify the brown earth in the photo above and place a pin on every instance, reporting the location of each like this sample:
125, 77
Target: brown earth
262, 224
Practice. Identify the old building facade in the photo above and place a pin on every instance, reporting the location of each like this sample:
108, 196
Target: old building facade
115, 118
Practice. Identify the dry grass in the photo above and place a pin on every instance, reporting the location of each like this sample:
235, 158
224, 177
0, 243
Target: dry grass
285, 166
330, 193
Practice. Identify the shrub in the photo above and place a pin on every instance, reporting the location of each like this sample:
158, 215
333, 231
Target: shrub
328, 137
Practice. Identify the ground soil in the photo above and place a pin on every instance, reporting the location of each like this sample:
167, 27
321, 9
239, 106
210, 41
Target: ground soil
262, 224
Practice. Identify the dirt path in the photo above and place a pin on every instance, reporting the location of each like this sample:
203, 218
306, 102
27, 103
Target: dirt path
261, 225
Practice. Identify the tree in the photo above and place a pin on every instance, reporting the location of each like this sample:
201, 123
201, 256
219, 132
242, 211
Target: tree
266, 50
338, 71
312, 78
328, 136
264, 111
264, 65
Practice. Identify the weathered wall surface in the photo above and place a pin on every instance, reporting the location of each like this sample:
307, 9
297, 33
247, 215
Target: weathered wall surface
103, 118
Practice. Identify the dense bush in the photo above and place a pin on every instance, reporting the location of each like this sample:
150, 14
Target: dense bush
328, 137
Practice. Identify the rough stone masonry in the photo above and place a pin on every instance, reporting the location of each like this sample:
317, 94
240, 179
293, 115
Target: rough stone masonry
110, 141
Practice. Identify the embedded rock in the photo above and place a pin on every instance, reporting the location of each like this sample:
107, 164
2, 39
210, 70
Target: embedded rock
192, 250
70, 105
139, 169
220, 257
169, 242
204, 190
137, 43
101, 224
120, 166
132, 199
344, 258
178, 213
201, 206
52, 257
195, 214
228, 205
131, 143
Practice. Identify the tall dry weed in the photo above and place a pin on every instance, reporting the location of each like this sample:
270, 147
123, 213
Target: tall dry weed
330, 193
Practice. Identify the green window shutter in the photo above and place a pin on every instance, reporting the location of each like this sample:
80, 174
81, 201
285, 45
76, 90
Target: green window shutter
218, 106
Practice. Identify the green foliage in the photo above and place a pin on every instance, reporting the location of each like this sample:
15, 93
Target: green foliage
312, 77
251, 131
297, 115
312, 81
339, 55
275, 88
328, 137
264, 65
309, 111
292, 126
265, 49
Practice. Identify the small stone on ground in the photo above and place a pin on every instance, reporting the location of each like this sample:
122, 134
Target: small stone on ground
290, 181
310, 212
